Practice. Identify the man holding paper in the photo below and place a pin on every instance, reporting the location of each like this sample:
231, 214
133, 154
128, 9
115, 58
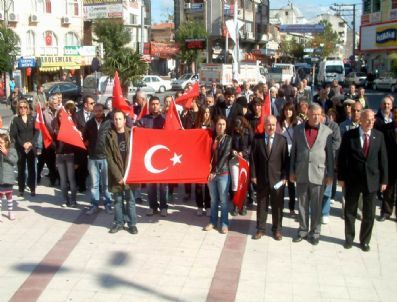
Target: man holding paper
269, 170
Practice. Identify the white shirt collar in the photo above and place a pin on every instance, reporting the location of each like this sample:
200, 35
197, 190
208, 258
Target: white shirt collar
362, 132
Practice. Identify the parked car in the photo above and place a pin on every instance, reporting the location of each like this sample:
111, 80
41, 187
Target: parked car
101, 88
157, 83
386, 81
69, 90
187, 78
357, 78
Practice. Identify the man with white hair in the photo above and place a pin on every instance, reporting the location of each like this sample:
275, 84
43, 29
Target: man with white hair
362, 169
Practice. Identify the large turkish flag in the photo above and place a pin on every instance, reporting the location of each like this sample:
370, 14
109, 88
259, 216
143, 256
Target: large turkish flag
169, 156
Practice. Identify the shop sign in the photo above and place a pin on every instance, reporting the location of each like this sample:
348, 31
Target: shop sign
164, 50
26, 62
375, 38
107, 11
393, 14
86, 51
386, 36
70, 62
100, 2
272, 45
197, 7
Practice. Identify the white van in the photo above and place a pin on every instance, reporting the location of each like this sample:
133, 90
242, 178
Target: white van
282, 71
330, 70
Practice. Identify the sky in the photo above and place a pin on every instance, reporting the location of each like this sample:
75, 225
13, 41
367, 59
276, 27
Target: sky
309, 8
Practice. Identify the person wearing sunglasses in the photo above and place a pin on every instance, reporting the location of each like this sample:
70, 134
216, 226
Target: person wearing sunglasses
24, 135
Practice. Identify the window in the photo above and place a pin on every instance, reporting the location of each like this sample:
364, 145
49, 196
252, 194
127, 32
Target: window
30, 43
72, 8
375, 6
49, 44
71, 39
48, 7
367, 6
133, 19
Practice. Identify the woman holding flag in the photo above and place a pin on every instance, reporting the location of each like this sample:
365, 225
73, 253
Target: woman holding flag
65, 161
219, 178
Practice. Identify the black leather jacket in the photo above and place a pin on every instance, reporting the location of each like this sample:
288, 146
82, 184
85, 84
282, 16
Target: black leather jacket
220, 158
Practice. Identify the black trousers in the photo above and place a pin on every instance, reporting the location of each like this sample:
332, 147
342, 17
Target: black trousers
26, 159
203, 199
81, 159
275, 198
388, 199
291, 195
351, 204
47, 157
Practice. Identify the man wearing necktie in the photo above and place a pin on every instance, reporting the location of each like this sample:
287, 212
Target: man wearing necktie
269, 171
384, 123
362, 169
312, 166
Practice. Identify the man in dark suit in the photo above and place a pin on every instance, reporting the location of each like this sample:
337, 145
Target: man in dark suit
362, 168
384, 122
82, 117
269, 170
229, 108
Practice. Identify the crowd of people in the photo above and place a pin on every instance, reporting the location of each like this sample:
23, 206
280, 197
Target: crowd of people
310, 142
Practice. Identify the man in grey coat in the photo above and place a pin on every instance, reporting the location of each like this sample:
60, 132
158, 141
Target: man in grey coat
311, 166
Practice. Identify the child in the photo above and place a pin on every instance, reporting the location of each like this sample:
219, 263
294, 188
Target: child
8, 160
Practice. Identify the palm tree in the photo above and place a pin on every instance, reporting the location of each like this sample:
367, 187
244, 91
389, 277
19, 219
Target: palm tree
118, 56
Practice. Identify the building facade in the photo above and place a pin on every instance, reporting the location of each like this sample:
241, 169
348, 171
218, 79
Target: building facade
378, 34
214, 13
47, 30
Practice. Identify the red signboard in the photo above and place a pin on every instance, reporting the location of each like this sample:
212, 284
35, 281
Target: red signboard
196, 44
163, 50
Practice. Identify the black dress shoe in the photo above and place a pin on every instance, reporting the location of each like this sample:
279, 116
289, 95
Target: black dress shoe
365, 247
33, 193
115, 228
315, 241
132, 230
20, 194
348, 245
298, 239
383, 218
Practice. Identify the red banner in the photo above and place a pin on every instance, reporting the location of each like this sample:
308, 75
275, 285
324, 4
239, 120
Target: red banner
39, 125
169, 156
68, 133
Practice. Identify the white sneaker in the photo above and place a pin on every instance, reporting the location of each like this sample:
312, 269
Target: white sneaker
200, 212
163, 212
92, 210
208, 212
325, 219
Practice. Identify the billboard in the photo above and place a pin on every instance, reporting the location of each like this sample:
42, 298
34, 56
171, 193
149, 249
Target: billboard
102, 9
302, 28
378, 37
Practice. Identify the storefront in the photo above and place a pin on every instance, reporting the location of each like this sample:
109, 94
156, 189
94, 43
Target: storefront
377, 44
54, 68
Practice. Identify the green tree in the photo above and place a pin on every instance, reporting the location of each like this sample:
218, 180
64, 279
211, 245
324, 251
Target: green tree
328, 38
190, 30
291, 49
9, 49
118, 56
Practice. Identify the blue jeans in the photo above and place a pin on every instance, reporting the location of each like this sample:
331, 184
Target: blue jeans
327, 200
219, 192
124, 212
152, 196
98, 169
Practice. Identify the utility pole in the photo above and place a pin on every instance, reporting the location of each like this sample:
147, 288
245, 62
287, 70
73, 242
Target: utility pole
348, 10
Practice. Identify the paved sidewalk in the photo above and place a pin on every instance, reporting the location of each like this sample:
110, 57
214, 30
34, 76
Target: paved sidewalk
55, 254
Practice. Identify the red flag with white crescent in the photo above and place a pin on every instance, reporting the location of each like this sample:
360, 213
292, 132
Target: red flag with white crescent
144, 110
186, 99
39, 125
169, 156
266, 111
68, 132
243, 181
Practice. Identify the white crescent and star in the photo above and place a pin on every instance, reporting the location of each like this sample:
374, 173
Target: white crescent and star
176, 159
243, 171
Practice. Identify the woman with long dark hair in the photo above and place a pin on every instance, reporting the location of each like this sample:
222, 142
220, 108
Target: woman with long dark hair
287, 123
219, 178
24, 135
